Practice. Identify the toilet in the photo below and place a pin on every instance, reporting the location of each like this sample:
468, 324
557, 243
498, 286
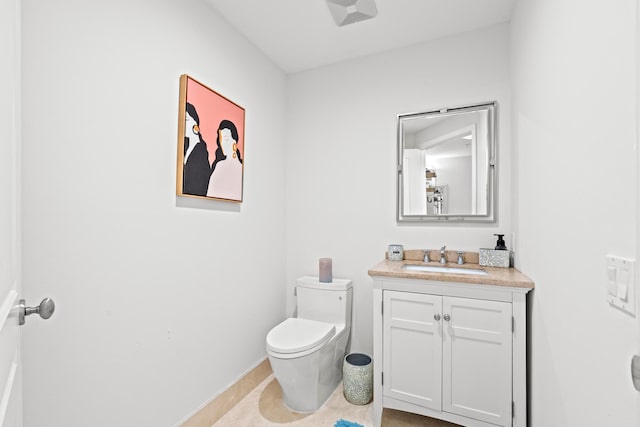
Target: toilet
306, 352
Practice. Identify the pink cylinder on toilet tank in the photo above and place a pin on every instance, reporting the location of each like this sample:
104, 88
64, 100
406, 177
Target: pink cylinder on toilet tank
326, 275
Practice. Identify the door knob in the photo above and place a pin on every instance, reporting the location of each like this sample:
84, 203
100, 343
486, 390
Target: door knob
447, 317
635, 371
45, 310
436, 317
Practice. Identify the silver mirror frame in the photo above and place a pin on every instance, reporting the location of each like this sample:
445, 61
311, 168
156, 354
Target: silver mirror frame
492, 185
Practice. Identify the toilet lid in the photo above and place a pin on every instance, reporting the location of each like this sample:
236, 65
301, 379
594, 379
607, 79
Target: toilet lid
294, 335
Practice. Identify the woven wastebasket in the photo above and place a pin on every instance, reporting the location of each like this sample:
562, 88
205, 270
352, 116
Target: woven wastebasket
357, 375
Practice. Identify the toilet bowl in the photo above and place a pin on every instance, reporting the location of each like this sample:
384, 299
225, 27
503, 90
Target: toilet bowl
306, 352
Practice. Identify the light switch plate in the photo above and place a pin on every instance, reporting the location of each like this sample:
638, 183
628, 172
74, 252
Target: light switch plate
620, 283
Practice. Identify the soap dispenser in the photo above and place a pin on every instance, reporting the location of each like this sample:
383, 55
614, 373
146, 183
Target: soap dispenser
500, 244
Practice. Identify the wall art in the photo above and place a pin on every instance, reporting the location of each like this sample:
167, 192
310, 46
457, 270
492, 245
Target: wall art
211, 144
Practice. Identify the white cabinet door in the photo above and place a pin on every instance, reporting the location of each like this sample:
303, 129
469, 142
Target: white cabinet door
412, 342
477, 359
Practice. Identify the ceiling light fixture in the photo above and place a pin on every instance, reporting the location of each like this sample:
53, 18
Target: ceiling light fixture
346, 12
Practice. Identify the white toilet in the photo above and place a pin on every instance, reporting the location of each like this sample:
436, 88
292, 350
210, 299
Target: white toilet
306, 352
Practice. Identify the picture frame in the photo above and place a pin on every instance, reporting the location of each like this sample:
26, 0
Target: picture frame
211, 144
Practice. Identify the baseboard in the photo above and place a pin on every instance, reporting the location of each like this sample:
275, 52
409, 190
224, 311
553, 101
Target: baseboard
212, 411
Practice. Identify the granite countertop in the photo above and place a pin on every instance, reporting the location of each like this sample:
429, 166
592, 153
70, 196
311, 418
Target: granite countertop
495, 276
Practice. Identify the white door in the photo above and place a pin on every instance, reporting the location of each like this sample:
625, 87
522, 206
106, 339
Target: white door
477, 359
10, 369
412, 348
638, 175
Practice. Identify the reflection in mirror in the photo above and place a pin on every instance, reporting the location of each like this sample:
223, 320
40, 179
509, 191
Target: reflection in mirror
446, 164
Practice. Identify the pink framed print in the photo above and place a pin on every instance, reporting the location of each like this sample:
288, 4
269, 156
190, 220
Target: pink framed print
211, 144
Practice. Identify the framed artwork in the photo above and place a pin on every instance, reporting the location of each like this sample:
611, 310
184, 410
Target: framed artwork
210, 144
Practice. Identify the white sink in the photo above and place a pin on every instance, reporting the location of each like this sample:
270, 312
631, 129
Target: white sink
439, 269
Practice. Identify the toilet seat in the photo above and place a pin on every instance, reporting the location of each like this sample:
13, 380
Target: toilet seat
297, 337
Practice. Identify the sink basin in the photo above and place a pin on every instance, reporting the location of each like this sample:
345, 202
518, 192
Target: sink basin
439, 269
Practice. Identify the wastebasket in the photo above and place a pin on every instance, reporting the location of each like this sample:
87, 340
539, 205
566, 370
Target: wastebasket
357, 376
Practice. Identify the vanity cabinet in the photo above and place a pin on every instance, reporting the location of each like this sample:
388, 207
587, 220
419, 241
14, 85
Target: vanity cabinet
448, 354
448, 350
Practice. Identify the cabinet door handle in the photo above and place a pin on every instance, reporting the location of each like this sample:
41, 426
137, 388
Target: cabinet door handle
436, 317
447, 317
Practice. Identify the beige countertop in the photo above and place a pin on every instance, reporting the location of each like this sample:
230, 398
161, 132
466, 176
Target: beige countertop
495, 276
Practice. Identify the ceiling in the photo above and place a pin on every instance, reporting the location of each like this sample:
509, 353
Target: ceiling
301, 34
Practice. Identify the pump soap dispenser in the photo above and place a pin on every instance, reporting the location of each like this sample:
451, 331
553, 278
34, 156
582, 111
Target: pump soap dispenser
500, 244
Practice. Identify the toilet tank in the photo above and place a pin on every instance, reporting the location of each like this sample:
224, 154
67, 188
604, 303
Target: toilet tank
324, 302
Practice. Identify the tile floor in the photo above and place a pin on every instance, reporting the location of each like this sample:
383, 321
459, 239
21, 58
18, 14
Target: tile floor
263, 407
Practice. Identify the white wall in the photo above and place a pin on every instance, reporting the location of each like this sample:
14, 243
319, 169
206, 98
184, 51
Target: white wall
341, 155
574, 129
161, 304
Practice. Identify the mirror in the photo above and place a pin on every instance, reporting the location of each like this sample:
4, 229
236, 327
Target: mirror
446, 165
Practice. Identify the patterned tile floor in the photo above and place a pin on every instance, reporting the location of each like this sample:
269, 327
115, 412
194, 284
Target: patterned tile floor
263, 407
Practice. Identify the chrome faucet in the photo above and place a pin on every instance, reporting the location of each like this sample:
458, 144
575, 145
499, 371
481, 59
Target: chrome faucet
426, 256
460, 257
443, 260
